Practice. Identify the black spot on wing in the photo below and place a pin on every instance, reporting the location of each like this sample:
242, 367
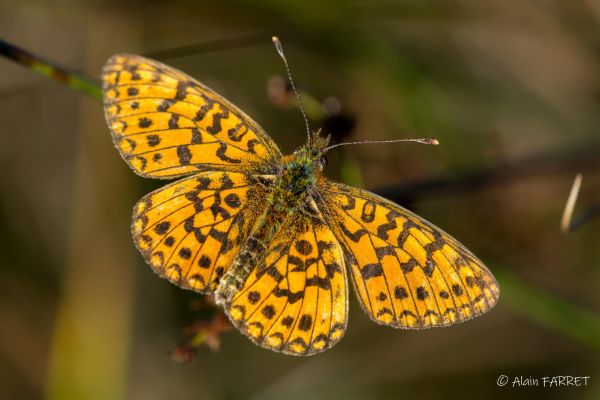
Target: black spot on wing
226, 182
351, 203
232, 200
368, 211
181, 90
184, 154
371, 271
131, 143
153, 140
238, 132
422, 293
305, 322
323, 283
274, 273
382, 252
196, 136
382, 230
216, 208
405, 232
429, 267
457, 289
185, 253
216, 125
143, 162
251, 145
408, 266
287, 321
332, 269
204, 261
303, 247
400, 293
162, 227
253, 297
174, 121
268, 311
144, 122
165, 104
224, 157
203, 183
291, 296
384, 311
354, 236
202, 112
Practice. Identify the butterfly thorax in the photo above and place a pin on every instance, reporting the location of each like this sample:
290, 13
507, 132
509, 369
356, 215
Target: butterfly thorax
294, 183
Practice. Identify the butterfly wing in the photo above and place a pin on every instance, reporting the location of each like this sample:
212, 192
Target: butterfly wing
407, 272
189, 231
165, 123
295, 300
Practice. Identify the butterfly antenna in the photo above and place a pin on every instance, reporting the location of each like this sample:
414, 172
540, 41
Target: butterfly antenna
279, 48
432, 141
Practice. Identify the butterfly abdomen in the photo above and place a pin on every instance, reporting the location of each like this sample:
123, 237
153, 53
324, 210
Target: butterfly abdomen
243, 263
251, 252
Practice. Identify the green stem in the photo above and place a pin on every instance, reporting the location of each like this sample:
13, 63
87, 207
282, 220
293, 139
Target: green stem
71, 78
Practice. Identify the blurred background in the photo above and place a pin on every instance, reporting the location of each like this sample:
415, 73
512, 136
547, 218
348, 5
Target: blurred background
510, 88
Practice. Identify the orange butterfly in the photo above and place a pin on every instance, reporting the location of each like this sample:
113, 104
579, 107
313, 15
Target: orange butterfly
268, 234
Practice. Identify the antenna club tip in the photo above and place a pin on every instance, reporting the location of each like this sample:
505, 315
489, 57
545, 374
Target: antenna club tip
279, 47
434, 141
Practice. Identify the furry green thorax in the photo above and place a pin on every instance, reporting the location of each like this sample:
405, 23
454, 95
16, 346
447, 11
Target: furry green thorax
300, 173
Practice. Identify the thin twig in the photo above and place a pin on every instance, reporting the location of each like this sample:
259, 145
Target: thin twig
73, 79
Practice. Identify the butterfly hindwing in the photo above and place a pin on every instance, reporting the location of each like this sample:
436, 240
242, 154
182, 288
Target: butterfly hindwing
165, 123
189, 231
407, 272
295, 300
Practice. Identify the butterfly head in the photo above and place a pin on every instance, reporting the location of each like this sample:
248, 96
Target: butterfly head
312, 154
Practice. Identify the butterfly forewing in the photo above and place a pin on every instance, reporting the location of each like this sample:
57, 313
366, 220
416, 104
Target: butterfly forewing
190, 231
295, 300
407, 272
165, 123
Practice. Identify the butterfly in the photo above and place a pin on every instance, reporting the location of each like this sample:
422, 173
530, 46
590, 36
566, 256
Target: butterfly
268, 234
